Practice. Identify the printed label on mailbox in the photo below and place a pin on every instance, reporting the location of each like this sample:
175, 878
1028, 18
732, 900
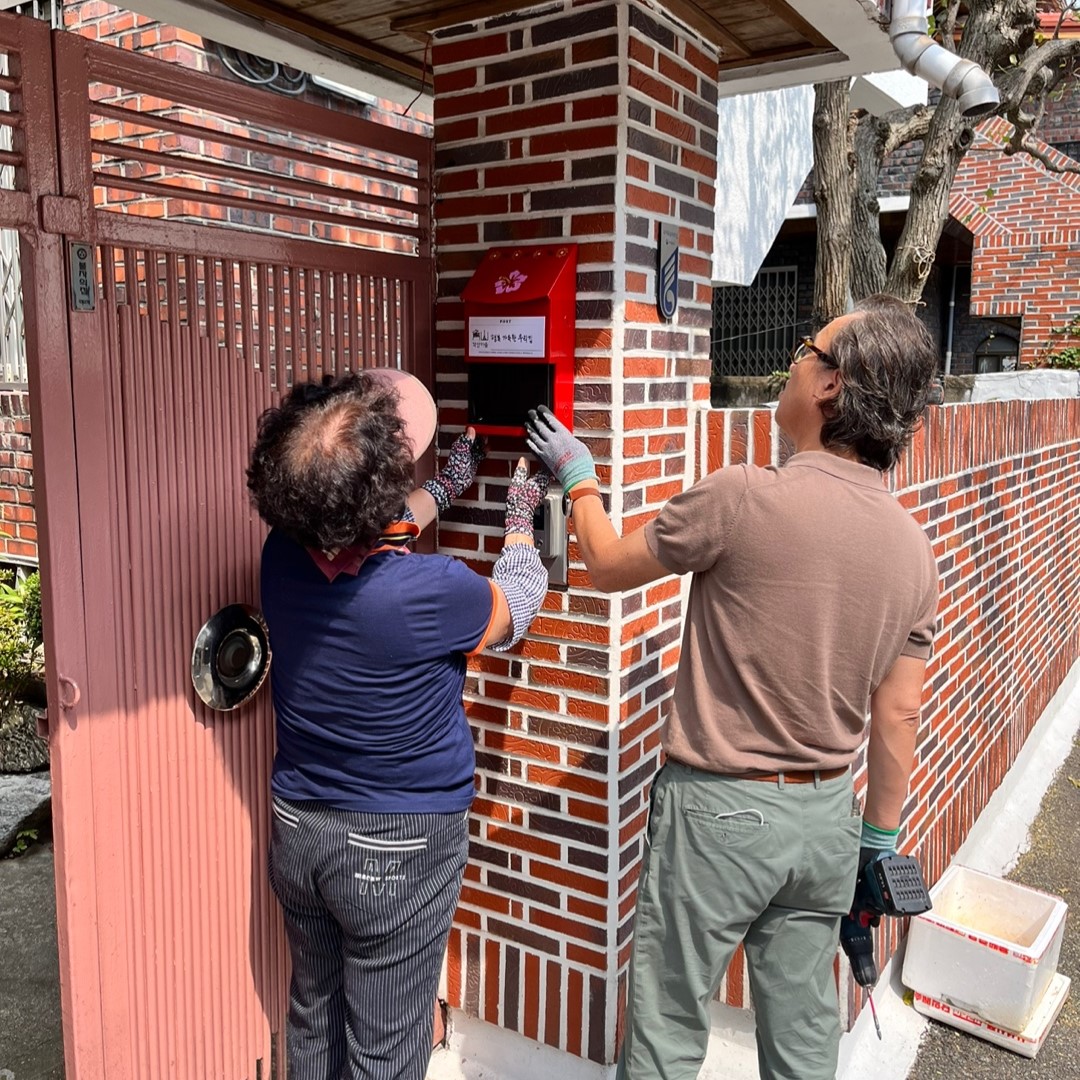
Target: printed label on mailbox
521, 335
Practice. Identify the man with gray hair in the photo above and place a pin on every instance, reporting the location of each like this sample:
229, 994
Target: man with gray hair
812, 603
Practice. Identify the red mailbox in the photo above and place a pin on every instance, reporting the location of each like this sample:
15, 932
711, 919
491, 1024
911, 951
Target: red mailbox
519, 336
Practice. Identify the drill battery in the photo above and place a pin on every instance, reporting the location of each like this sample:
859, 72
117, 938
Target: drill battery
892, 885
886, 885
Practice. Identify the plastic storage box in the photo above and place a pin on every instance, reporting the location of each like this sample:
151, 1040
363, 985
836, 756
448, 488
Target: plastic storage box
1026, 1043
989, 947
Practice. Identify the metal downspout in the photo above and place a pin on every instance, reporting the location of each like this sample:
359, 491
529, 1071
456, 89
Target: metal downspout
920, 55
952, 323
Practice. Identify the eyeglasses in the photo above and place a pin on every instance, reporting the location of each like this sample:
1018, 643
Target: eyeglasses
805, 347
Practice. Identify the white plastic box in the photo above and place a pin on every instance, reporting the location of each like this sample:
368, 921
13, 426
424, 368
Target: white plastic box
1026, 1043
988, 948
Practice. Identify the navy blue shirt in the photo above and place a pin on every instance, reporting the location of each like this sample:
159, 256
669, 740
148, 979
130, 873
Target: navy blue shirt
367, 678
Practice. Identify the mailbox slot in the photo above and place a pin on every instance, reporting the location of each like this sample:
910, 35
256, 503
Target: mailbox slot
501, 394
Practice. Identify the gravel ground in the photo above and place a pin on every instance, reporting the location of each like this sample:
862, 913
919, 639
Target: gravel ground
21, 749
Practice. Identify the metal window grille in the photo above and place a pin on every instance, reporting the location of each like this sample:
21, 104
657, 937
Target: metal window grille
50, 11
754, 326
12, 345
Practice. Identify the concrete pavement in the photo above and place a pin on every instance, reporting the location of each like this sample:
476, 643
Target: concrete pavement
31, 1044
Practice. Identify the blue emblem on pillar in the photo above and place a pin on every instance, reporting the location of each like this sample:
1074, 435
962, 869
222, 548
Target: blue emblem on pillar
667, 271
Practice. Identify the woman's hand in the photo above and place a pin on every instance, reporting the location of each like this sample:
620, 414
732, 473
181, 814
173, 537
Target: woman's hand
459, 472
522, 499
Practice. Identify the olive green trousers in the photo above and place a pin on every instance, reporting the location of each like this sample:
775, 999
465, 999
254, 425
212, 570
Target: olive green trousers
770, 864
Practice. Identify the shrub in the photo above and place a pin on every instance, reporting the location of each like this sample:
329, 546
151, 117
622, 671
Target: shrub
21, 659
1061, 350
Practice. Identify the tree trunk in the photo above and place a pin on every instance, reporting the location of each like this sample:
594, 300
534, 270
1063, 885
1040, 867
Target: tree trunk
991, 30
946, 142
868, 265
834, 182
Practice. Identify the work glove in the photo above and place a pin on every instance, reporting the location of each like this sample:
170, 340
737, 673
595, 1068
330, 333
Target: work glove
523, 497
873, 843
459, 472
856, 927
553, 443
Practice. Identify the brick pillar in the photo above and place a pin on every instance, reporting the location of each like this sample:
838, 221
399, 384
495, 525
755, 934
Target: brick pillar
18, 521
591, 123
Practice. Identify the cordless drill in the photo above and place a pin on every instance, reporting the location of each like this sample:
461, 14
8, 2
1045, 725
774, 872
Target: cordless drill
887, 885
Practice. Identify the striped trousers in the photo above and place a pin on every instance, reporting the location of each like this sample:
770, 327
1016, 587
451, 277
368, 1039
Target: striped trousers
368, 900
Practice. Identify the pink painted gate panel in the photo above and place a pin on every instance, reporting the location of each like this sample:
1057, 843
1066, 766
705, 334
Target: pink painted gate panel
173, 961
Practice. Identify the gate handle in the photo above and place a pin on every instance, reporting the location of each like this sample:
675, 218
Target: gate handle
74, 695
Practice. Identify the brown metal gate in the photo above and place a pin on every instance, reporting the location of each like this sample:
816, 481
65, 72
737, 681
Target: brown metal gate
231, 242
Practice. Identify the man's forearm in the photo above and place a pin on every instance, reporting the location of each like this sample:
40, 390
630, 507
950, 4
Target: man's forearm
895, 711
594, 532
889, 760
614, 562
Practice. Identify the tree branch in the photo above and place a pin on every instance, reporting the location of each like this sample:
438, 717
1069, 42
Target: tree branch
948, 25
1036, 70
1020, 142
906, 126
1067, 9
874, 139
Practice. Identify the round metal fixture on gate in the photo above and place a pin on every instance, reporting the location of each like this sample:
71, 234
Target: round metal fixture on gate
231, 657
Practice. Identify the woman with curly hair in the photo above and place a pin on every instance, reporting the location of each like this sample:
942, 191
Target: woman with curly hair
373, 774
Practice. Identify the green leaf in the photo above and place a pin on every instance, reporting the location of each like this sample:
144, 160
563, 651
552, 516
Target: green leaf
989, 193
23, 841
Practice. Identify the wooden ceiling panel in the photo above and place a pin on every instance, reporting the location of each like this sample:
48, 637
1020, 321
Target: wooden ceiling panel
769, 34
392, 34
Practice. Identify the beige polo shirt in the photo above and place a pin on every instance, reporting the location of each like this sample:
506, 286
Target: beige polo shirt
809, 582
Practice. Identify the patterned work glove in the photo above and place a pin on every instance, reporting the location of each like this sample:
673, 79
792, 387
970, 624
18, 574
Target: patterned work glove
523, 497
554, 444
458, 473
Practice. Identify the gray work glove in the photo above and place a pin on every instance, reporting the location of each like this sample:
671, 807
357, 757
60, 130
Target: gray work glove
554, 444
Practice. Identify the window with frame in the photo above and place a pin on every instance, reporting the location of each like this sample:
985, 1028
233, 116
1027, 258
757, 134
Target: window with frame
754, 326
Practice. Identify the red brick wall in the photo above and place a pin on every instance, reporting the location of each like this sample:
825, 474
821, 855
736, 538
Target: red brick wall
18, 526
589, 123
994, 485
528, 950
1026, 224
1061, 124
125, 29
136, 33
